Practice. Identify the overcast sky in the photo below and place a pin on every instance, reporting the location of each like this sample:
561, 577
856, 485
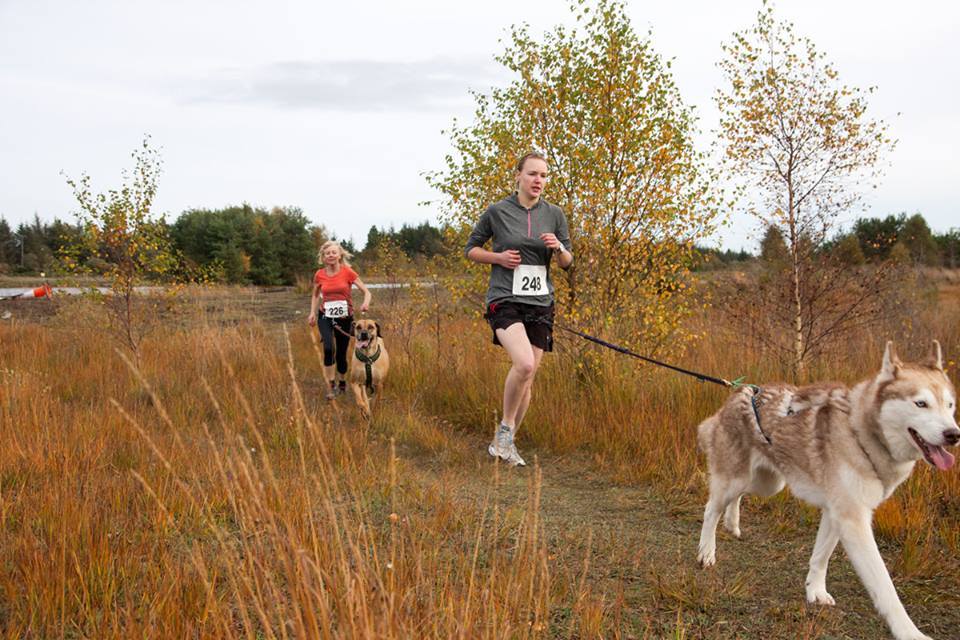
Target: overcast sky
338, 107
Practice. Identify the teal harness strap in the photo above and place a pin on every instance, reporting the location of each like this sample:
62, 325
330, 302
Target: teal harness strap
368, 367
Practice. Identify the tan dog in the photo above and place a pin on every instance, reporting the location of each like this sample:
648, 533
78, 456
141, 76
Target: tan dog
370, 364
842, 450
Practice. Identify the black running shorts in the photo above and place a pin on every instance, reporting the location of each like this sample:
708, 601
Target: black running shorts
537, 320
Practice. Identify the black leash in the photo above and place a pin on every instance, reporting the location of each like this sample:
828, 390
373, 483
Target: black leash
336, 327
702, 377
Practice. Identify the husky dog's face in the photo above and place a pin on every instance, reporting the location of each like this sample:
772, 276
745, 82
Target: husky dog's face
917, 406
366, 332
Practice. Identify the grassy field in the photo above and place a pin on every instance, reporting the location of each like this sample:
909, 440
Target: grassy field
207, 490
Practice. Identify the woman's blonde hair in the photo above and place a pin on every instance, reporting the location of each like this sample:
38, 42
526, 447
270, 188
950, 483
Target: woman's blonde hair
533, 155
344, 254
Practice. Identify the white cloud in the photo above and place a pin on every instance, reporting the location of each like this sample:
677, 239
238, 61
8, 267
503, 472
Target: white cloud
356, 86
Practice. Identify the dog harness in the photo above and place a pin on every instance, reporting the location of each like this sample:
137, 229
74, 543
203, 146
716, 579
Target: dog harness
755, 403
368, 367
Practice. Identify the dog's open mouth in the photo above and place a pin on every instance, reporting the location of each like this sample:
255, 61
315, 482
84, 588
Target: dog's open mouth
363, 341
934, 454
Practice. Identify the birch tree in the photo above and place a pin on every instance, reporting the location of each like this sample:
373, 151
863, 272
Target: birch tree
799, 142
128, 243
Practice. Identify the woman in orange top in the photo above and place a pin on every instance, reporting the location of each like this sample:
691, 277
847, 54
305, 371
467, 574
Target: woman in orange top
332, 283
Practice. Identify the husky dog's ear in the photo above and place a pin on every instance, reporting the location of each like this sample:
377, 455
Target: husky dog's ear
934, 359
891, 363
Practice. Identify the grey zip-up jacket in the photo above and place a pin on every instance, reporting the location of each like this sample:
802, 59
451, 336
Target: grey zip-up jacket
512, 226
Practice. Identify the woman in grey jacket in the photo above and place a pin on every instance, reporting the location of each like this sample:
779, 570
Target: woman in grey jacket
527, 233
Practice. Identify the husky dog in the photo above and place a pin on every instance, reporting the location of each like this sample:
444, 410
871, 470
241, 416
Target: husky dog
842, 450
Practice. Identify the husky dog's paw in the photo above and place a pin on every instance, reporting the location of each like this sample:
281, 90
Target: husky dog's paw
707, 557
819, 595
734, 531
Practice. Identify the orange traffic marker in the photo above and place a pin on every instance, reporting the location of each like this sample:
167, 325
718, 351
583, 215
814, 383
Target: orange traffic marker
40, 292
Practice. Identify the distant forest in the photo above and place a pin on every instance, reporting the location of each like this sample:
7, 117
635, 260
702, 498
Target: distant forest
254, 245
236, 245
900, 238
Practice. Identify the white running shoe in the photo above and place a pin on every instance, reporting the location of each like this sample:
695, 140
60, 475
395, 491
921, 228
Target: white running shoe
514, 459
502, 447
502, 439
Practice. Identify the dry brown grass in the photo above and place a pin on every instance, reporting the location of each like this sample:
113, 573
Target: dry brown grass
212, 494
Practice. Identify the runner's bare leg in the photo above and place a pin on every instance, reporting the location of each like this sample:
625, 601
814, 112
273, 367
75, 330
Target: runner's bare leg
516, 388
525, 403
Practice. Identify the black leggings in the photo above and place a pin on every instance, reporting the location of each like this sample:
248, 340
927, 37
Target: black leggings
335, 341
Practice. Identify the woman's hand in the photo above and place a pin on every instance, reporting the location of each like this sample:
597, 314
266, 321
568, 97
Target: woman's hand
509, 259
550, 240
358, 283
312, 318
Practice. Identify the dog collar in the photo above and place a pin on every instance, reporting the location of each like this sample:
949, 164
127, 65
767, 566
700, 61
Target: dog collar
364, 358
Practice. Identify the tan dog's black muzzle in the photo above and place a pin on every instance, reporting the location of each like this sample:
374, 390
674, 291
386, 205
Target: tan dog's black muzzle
366, 331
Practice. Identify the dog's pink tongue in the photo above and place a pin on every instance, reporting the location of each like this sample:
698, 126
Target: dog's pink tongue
941, 458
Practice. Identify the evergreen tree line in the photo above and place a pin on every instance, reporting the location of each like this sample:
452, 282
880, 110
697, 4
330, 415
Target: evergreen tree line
247, 245
899, 238
422, 240
236, 245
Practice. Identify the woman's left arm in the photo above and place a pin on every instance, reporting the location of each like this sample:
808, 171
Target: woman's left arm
563, 249
564, 257
366, 294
